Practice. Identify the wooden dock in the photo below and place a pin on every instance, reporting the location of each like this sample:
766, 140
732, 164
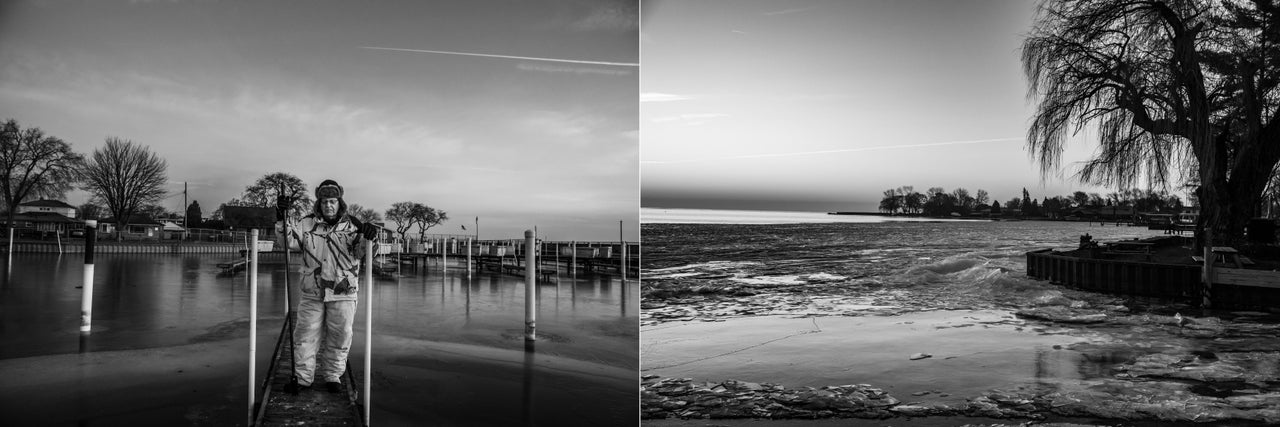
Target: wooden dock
313, 406
554, 257
1230, 287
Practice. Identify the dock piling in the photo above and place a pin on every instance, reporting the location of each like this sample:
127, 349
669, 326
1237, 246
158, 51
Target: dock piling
253, 322
86, 295
622, 253
530, 290
368, 326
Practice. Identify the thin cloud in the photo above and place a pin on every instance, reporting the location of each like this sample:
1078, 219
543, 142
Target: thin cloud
575, 70
527, 58
687, 117
843, 150
662, 97
621, 16
787, 11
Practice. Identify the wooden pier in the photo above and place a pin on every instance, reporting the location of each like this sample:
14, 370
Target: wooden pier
313, 406
1228, 287
552, 257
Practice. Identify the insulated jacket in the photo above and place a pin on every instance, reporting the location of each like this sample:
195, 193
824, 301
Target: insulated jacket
330, 255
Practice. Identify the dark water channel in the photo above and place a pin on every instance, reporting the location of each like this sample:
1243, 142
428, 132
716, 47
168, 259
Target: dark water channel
169, 345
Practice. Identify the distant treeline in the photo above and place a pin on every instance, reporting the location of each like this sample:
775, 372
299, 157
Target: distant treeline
939, 202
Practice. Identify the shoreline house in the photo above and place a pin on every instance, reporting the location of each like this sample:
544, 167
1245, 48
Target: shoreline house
44, 218
51, 206
137, 227
172, 231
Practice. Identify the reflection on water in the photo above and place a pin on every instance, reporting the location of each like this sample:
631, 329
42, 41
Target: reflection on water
172, 301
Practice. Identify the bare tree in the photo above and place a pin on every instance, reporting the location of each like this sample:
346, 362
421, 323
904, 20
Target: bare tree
402, 213
891, 202
363, 214
1177, 89
34, 165
154, 211
265, 191
426, 217
963, 200
125, 177
90, 210
981, 197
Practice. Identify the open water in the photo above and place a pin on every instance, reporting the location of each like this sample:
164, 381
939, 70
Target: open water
169, 345
798, 248
927, 311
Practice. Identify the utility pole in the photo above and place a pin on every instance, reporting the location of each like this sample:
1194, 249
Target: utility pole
184, 210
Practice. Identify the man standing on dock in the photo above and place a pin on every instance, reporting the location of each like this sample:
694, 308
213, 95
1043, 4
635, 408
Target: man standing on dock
332, 245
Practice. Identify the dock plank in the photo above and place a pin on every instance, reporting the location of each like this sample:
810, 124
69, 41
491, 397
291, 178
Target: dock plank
313, 406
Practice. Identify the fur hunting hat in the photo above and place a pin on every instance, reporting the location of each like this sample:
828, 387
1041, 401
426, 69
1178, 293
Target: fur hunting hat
328, 189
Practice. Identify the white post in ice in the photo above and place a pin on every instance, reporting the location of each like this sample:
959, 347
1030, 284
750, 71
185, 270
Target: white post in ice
86, 296
538, 262
622, 253
530, 290
253, 320
368, 326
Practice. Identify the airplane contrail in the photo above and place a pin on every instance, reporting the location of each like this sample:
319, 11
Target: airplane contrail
529, 58
843, 150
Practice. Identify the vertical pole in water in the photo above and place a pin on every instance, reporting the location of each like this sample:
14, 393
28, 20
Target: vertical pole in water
573, 257
368, 325
530, 290
288, 296
444, 255
622, 255
253, 320
86, 297
469, 251
537, 262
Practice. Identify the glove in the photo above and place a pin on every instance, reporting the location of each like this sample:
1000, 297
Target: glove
369, 231
282, 207
342, 287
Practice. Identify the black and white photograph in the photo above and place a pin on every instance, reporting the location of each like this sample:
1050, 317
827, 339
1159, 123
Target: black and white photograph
692, 213
400, 213
939, 213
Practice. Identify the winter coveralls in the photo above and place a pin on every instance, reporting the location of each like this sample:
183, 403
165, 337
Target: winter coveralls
331, 254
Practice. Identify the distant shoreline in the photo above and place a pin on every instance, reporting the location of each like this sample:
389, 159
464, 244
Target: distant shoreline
859, 213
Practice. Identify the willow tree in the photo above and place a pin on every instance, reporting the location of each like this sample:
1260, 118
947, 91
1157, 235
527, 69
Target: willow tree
125, 177
1177, 89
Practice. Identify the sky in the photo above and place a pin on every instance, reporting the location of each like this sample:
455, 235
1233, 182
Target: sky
520, 113
823, 105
